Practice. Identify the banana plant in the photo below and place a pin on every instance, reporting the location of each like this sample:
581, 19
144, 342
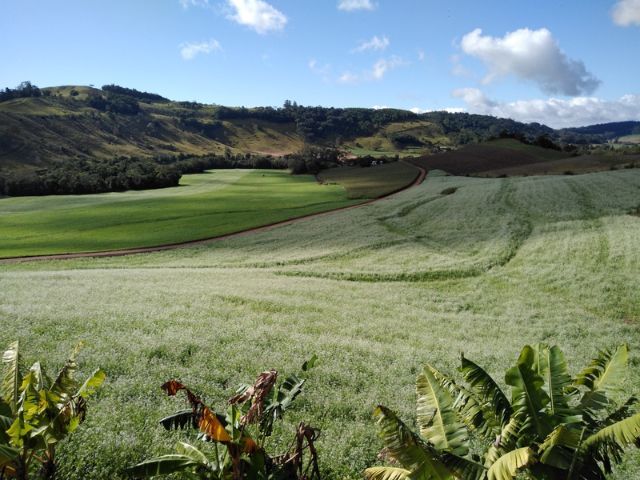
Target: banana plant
37, 413
237, 438
552, 426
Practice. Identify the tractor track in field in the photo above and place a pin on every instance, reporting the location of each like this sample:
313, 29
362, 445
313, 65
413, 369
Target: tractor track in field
422, 173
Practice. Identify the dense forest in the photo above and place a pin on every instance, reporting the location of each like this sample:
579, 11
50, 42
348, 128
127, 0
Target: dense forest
90, 176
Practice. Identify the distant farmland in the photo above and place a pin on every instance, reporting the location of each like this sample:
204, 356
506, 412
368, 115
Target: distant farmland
511, 157
375, 292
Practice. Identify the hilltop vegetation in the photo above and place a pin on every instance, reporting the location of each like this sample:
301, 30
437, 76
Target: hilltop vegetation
42, 126
376, 292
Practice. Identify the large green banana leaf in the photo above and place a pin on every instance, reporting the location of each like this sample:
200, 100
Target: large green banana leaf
438, 421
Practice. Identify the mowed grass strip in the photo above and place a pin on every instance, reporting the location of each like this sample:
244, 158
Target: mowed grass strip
204, 205
371, 182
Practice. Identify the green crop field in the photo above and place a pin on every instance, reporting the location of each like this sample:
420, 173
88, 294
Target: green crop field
375, 292
204, 205
371, 182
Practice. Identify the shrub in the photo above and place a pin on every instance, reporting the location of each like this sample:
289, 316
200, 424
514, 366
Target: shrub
37, 413
239, 438
554, 426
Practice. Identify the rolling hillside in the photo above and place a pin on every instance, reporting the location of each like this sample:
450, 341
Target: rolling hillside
35, 132
375, 292
76, 122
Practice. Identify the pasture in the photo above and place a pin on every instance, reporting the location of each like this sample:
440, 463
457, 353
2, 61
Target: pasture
375, 292
633, 139
204, 205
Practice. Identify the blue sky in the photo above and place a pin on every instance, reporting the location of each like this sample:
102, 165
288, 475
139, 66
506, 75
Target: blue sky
561, 62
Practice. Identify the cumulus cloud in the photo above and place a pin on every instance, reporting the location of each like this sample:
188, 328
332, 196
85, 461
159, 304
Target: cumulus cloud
626, 12
530, 55
191, 49
351, 5
375, 44
258, 15
555, 112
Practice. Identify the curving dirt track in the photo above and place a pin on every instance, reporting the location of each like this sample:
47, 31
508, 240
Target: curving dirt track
422, 173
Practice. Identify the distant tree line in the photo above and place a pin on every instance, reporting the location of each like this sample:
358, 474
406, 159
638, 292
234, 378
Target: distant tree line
321, 123
114, 102
79, 176
542, 141
122, 100
310, 160
132, 92
82, 176
463, 128
197, 164
24, 90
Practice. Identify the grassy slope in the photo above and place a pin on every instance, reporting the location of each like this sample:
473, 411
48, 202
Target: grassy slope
380, 144
497, 264
371, 182
205, 205
635, 139
38, 131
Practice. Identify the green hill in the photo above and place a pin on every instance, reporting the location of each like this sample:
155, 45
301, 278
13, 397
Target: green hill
39, 127
74, 125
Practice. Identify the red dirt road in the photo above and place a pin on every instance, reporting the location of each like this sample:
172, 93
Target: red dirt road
131, 251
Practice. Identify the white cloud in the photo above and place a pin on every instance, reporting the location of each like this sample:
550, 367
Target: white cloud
194, 3
351, 5
421, 56
258, 15
379, 107
191, 49
375, 44
530, 55
417, 110
377, 71
348, 78
458, 69
555, 112
382, 66
455, 110
474, 98
626, 12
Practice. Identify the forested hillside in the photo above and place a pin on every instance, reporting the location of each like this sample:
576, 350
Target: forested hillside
78, 139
